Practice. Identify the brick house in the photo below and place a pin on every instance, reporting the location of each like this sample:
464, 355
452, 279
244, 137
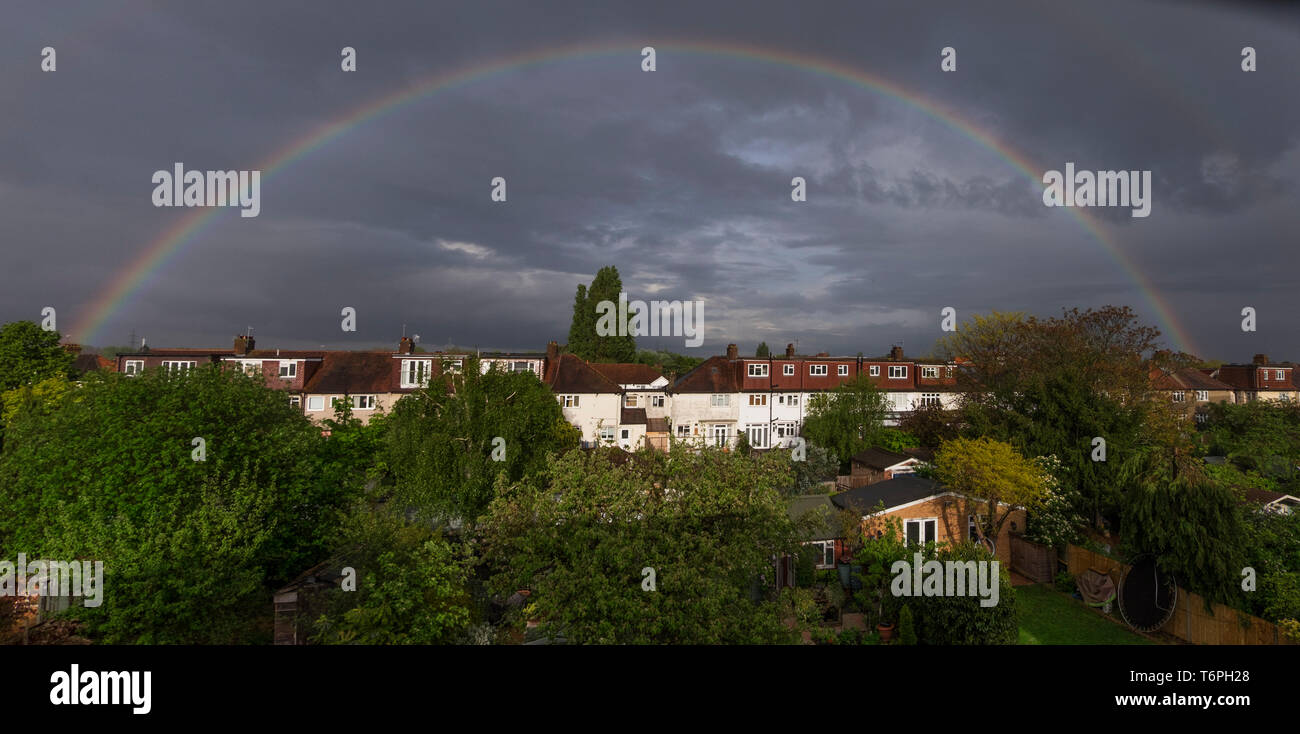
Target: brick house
1191, 391
1259, 380
928, 511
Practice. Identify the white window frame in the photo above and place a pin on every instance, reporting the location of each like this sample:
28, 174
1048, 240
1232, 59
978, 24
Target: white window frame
1180, 396
929, 398
1278, 375
842, 370
569, 401
416, 372
757, 400
757, 369
720, 400
318, 400
657, 401
288, 370
718, 434
683, 430
363, 402
632, 400
1202, 396
138, 365
606, 434
827, 552
930, 373
874, 371
178, 366
817, 370
787, 370
625, 434
295, 401
759, 435
931, 522
898, 372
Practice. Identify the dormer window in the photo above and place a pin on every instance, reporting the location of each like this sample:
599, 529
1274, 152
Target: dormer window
897, 371
757, 370
134, 366
817, 370
288, 370
930, 372
415, 372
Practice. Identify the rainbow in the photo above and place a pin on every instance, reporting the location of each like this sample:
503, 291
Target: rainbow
130, 279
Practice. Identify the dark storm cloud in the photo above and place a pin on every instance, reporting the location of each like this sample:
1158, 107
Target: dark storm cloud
681, 178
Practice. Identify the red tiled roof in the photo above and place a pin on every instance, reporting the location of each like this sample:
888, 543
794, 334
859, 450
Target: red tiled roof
628, 374
570, 374
353, 373
714, 375
1188, 378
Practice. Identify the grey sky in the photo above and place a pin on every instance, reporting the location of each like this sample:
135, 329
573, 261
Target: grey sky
680, 177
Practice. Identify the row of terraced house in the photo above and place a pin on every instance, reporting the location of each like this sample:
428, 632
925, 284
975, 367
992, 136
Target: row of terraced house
631, 405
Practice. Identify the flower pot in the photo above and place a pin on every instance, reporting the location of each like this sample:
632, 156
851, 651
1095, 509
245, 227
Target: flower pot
886, 632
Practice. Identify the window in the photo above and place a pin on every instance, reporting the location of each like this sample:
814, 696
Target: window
1202, 396
295, 401
757, 400
757, 435
606, 434
334, 401
928, 398
787, 370
971, 521
947, 371
415, 372
453, 365
874, 371
252, 369
288, 370
719, 434
632, 401
656, 401
923, 530
897, 371
683, 430
625, 434
817, 370
788, 399
785, 429
176, 367
134, 366
825, 552
1180, 396
520, 367
1201, 417
720, 401
757, 370
930, 372
569, 401
843, 370
316, 402
363, 402
1277, 375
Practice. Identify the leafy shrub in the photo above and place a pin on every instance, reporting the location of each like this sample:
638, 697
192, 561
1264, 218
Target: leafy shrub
906, 627
1064, 582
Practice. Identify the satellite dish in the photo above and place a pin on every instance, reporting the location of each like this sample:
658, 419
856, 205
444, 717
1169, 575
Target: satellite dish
1147, 595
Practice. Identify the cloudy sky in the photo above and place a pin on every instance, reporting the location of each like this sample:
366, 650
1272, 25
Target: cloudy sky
680, 177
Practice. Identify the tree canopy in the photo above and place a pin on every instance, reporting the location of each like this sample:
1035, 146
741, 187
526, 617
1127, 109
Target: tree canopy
848, 419
584, 340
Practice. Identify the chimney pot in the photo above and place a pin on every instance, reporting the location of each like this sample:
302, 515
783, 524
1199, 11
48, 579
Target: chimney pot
406, 346
243, 344
789, 351
1261, 359
732, 351
896, 353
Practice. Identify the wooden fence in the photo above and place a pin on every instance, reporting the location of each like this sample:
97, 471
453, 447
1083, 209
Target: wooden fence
1192, 621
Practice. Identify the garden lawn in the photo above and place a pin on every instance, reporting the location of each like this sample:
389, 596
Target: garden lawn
1048, 617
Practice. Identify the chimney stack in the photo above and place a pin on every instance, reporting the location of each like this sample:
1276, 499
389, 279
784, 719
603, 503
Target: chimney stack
243, 344
789, 351
896, 353
552, 350
1260, 359
732, 352
406, 346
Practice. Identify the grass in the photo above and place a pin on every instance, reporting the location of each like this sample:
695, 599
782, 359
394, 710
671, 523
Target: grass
1048, 617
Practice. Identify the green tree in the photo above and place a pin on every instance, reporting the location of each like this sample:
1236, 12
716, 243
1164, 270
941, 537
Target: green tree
848, 419
993, 476
707, 524
585, 339
190, 547
762, 352
29, 354
443, 441
906, 626
412, 585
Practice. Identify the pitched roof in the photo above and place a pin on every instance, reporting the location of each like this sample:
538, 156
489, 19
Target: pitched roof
90, 362
285, 354
632, 417
715, 374
878, 458
807, 504
656, 425
353, 373
570, 374
625, 373
891, 492
1188, 378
